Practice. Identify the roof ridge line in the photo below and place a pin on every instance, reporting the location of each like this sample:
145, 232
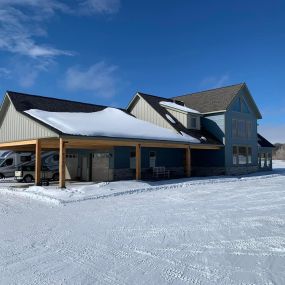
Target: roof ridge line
53, 98
211, 89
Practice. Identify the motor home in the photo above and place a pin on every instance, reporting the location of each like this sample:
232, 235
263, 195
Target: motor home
11, 161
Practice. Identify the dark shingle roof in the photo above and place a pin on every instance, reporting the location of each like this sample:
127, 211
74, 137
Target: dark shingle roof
23, 102
154, 102
263, 142
211, 100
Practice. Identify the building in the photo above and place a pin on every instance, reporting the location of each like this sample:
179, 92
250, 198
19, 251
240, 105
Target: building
228, 115
95, 142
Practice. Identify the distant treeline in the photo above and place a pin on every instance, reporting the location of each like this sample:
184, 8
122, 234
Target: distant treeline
279, 151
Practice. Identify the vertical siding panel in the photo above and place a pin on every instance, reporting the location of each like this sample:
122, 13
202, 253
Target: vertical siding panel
16, 126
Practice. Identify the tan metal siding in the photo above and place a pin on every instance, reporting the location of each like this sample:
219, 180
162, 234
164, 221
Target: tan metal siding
142, 110
181, 117
16, 127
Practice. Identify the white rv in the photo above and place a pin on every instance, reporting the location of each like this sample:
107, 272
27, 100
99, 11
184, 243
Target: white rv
11, 161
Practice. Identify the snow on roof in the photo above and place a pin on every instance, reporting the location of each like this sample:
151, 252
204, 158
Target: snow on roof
170, 119
178, 107
109, 122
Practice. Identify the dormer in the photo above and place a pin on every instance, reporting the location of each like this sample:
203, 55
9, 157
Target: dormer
189, 118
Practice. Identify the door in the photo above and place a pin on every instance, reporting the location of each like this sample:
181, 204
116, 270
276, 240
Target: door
71, 166
85, 169
101, 167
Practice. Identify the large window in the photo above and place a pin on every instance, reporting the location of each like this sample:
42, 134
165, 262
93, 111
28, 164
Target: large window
242, 155
241, 128
193, 123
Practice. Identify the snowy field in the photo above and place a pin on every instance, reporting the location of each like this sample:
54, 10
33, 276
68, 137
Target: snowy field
220, 230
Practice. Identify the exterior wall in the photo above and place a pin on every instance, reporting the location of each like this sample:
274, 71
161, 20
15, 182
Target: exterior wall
142, 110
16, 126
231, 140
268, 152
215, 124
181, 117
171, 159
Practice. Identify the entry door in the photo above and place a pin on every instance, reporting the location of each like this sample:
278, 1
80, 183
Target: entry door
85, 169
100, 167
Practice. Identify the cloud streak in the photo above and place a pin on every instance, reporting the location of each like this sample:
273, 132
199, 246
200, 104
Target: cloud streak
99, 78
22, 22
215, 81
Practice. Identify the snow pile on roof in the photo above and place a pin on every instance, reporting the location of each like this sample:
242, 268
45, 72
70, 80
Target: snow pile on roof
109, 122
178, 107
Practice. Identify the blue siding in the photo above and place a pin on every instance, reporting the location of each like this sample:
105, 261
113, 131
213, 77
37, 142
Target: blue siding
164, 157
213, 158
215, 124
230, 140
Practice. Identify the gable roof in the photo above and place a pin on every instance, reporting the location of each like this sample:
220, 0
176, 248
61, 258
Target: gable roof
215, 100
24, 102
263, 142
162, 111
68, 118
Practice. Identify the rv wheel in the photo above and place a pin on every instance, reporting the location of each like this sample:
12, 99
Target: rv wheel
28, 179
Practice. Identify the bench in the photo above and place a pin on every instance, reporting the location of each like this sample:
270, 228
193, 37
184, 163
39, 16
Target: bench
160, 171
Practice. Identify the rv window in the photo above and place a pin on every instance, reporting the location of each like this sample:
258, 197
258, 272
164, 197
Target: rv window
26, 158
8, 162
56, 157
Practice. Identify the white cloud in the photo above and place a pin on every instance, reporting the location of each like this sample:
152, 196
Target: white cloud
99, 78
275, 133
4, 72
215, 81
22, 22
100, 6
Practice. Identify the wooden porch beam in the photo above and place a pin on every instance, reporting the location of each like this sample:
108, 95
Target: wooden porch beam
62, 154
138, 162
38, 163
8, 145
188, 162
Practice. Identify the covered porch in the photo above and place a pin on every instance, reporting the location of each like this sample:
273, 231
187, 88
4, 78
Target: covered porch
62, 144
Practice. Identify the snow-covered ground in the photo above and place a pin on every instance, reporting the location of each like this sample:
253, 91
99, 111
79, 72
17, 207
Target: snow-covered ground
220, 230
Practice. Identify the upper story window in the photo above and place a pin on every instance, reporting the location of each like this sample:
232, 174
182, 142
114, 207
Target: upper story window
240, 106
241, 128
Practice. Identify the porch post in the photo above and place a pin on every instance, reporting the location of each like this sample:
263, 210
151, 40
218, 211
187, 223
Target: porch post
62, 154
138, 162
188, 161
38, 163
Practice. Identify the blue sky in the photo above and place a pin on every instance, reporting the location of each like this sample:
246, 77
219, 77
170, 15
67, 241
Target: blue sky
103, 51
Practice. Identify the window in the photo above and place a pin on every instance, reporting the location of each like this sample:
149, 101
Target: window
8, 162
249, 129
241, 128
235, 155
234, 127
132, 160
26, 158
263, 160
152, 158
242, 155
249, 155
269, 159
193, 123
55, 157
